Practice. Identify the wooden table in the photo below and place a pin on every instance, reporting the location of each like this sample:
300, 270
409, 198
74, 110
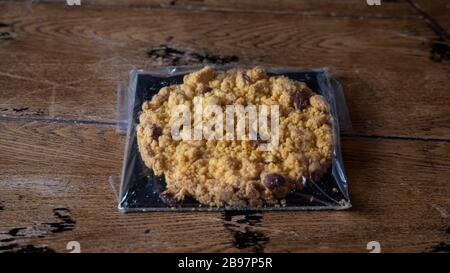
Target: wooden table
60, 67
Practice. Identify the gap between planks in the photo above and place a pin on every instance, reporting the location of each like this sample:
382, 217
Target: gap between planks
117, 123
432, 23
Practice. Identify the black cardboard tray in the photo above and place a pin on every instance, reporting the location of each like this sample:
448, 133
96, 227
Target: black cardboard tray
140, 187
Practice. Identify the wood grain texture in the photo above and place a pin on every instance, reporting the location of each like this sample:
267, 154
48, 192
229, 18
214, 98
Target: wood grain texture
48, 166
437, 17
71, 60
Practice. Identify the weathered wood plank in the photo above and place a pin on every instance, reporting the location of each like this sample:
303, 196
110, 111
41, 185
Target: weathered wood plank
66, 62
54, 189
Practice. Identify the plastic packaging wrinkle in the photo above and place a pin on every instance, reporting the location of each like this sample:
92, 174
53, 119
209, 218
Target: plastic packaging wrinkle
140, 187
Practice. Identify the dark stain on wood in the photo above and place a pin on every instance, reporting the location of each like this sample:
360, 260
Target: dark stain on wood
15, 232
20, 109
439, 49
4, 24
23, 111
448, 230
147, 231
7, 248
34, 249
66, 223
245, 236
432, 23
171, 55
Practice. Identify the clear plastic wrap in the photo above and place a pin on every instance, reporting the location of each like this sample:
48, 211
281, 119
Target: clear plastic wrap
140, 187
